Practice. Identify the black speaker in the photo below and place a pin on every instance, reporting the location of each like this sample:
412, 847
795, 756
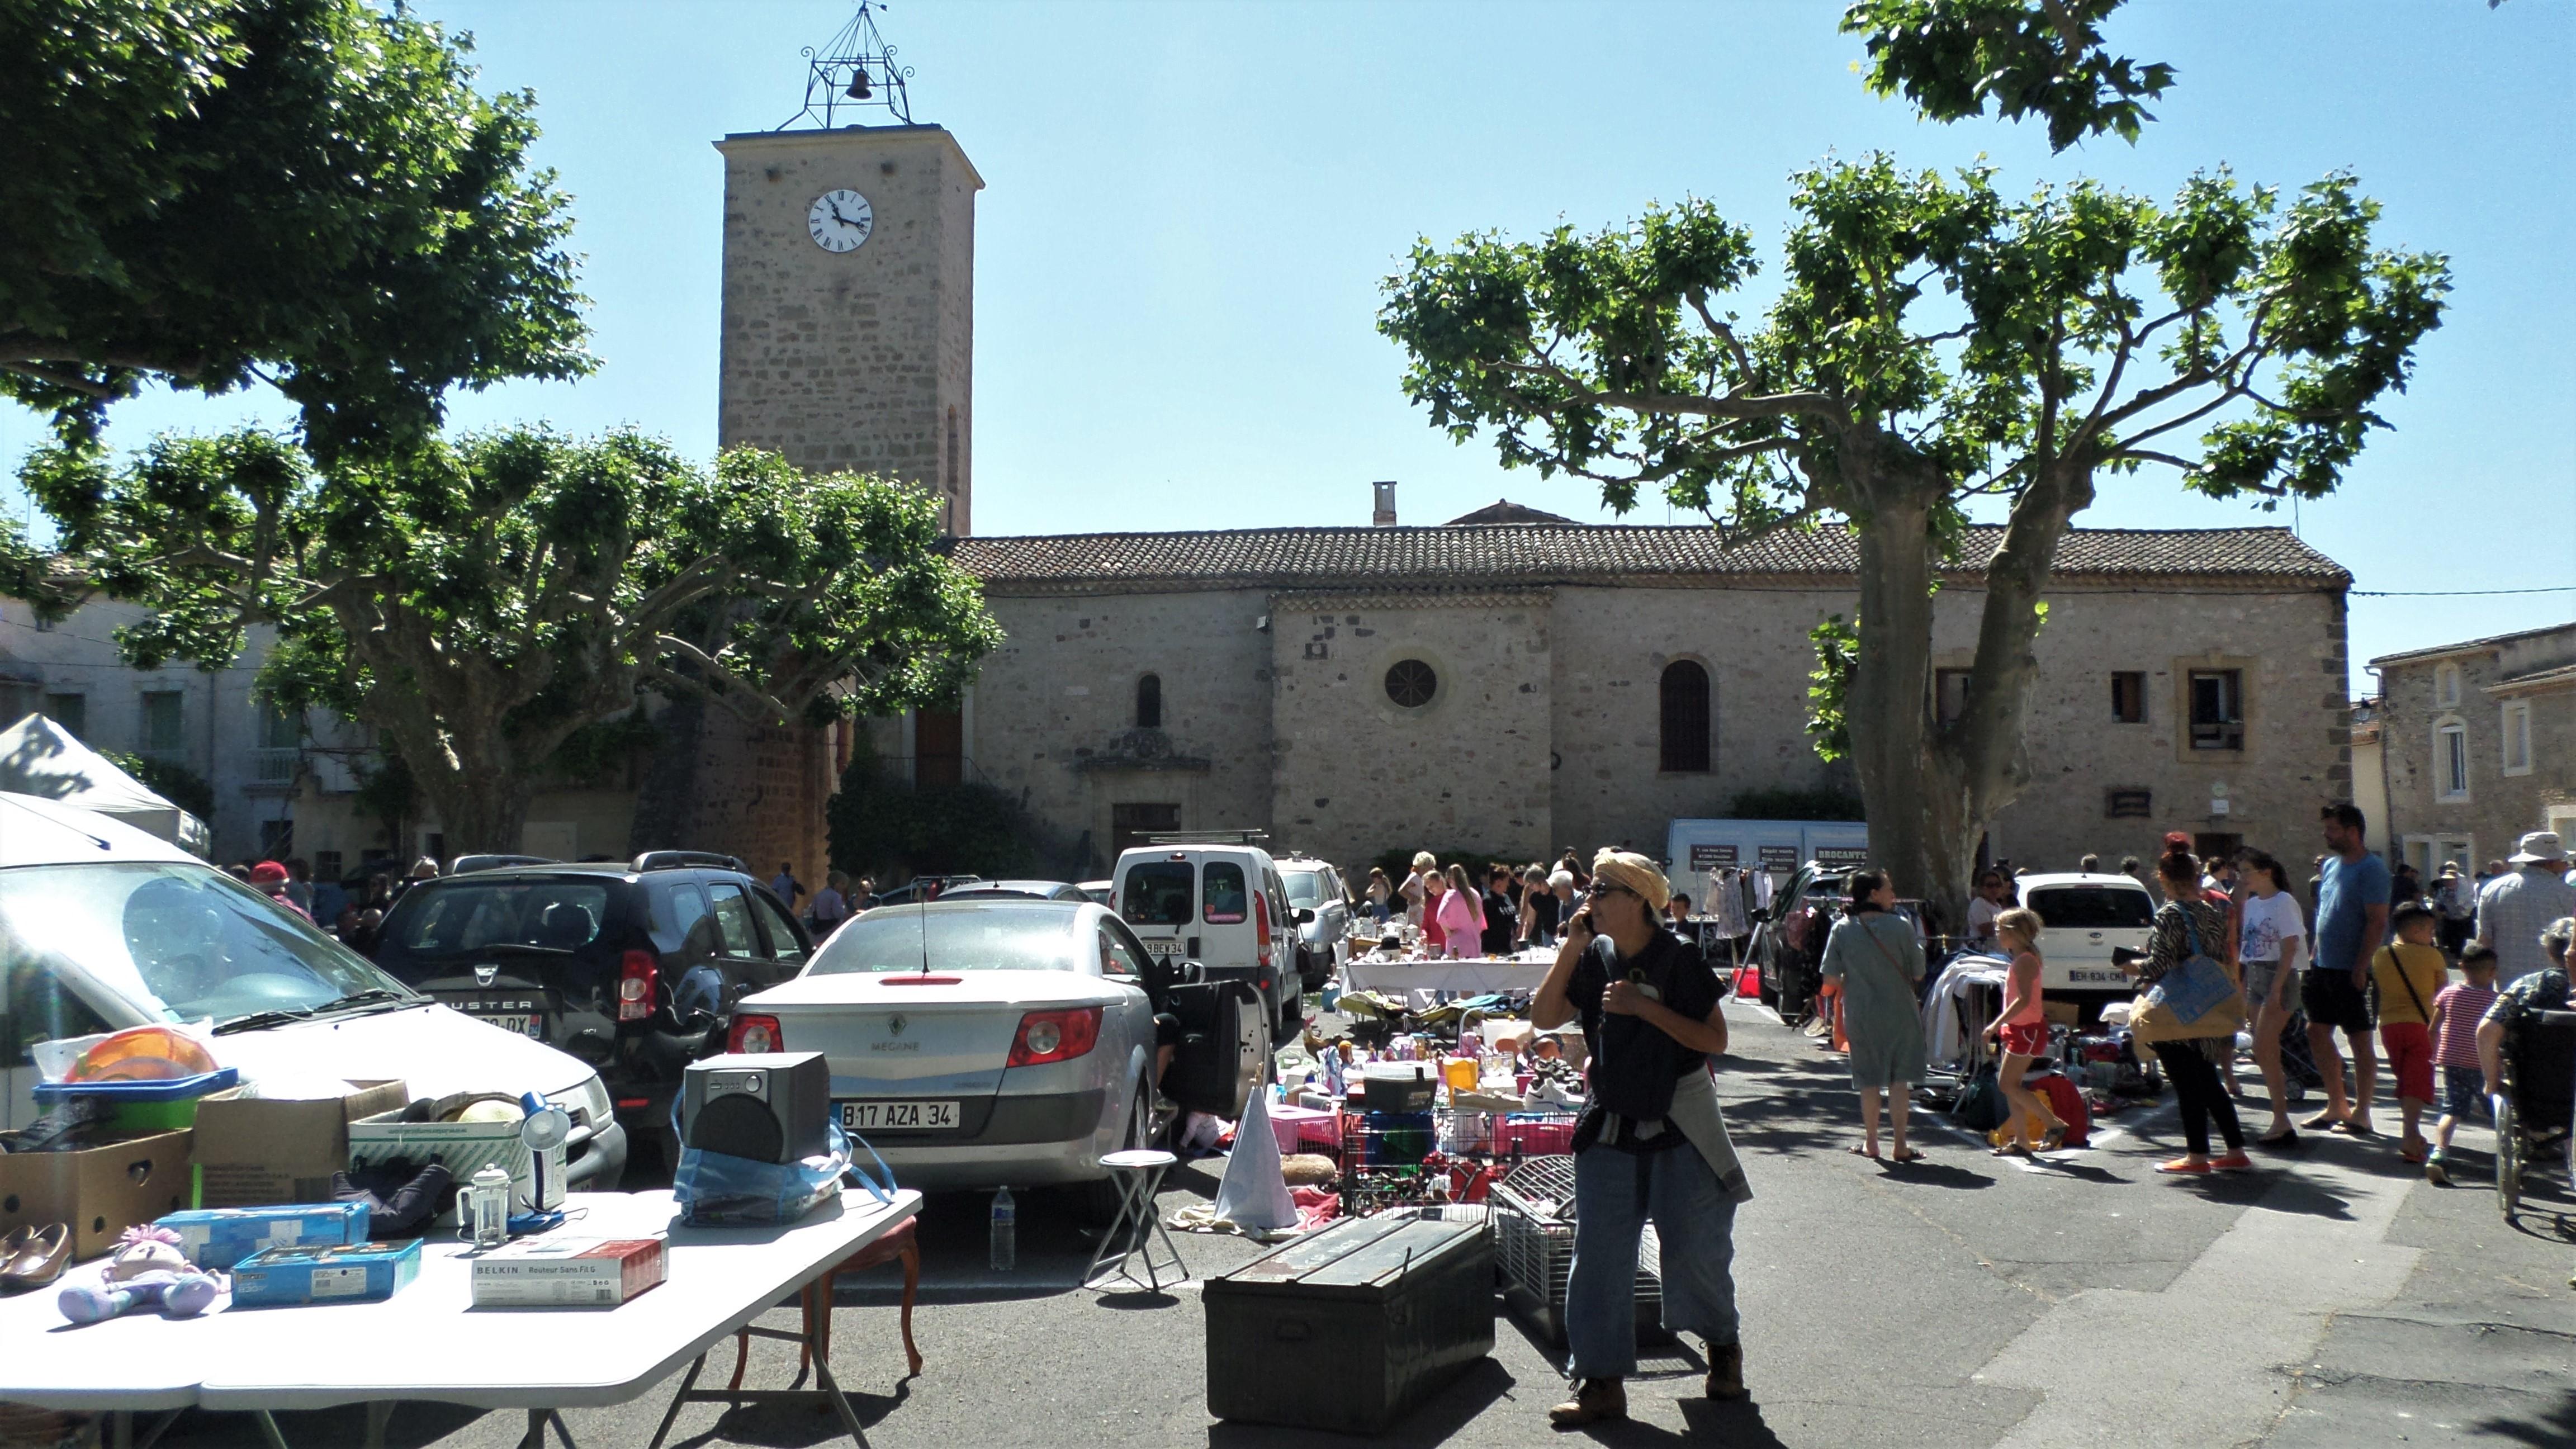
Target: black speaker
767, 1106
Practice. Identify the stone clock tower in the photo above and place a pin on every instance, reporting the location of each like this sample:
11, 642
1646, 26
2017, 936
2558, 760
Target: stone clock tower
849, 304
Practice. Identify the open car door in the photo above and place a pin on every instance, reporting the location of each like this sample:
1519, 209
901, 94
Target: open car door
1221, 1059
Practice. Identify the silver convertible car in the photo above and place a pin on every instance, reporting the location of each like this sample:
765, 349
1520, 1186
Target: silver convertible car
1007, 1042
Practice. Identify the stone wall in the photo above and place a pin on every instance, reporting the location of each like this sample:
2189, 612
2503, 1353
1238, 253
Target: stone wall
2498, 808
1051, 717
861, 359
1356, 773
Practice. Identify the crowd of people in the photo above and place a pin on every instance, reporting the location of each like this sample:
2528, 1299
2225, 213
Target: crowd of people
1517, 907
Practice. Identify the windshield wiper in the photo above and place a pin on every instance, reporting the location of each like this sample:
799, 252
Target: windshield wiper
372, 996
516, 948
258, 1020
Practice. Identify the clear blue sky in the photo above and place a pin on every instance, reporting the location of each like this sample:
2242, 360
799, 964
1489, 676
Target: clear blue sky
1190, 208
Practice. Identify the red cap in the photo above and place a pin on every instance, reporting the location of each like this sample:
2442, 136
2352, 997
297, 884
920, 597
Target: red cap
268, 872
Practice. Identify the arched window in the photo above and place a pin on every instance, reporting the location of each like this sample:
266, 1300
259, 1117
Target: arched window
1149, 702
1686, 713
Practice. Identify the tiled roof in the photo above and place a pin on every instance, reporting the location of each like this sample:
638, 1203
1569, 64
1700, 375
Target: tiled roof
1504, 510
2469, 646
1539, 554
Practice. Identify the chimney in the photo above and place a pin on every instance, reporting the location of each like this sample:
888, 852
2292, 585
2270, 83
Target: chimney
1383, 516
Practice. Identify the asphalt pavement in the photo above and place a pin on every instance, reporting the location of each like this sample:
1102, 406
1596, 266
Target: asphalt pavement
2333, 1298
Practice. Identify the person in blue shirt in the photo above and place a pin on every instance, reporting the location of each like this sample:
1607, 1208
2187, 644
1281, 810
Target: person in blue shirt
2352, 922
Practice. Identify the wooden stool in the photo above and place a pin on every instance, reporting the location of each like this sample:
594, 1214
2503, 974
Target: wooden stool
816, 1302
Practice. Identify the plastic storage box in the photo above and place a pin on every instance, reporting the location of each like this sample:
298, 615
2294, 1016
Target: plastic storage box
222, 1237
155, 1106
1350, 1328
358, 1273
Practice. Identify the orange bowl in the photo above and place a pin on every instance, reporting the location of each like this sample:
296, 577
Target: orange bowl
143, 1054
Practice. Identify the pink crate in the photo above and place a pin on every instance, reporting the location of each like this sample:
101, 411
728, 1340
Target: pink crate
1298, 1127
1534, 1136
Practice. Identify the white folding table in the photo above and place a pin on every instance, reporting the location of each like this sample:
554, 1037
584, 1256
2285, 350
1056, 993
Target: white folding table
1476, 976
429, 1342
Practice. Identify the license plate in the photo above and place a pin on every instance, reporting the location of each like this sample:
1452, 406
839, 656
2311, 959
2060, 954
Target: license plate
1163, 950
898, 1116
2112, 976
524, 1023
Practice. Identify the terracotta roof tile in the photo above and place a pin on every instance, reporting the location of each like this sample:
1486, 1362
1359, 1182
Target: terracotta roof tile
1452, 556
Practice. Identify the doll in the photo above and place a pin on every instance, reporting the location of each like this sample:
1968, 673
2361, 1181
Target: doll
146, 1270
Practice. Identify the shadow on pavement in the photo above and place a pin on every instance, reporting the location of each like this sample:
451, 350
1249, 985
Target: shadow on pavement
793, 1426
1436, 1422
1935, 1174
2556, 1427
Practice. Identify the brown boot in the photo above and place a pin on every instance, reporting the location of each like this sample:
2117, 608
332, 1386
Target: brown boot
1594, 1400
1726, 1370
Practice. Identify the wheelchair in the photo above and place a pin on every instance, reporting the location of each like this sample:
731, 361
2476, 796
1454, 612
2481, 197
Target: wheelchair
2536, 1111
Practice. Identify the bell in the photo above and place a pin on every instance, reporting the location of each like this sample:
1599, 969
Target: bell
859, 89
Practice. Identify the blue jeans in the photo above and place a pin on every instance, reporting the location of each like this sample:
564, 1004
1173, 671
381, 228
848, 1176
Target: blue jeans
1614, 1194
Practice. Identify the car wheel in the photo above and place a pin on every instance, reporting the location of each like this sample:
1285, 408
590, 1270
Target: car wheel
1100, 1197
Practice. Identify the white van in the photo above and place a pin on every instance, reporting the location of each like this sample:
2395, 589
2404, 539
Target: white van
2083, 919
104, 927
1223, 906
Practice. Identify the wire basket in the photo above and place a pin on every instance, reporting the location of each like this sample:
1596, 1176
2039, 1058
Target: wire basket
1533, 1232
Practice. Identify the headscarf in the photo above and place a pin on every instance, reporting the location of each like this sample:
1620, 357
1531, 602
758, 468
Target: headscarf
1634, 872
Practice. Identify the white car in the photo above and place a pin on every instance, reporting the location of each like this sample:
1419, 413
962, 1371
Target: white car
1221, 905
104, 927
2083, 919
1004, 1043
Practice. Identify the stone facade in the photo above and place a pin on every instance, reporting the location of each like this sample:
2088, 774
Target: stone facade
2457, 787
862, 359
1543, 723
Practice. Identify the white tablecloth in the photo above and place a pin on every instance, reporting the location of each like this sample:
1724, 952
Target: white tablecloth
1471, 976
427, 1341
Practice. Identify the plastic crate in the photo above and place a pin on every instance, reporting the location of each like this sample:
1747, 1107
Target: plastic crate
1535, 1134
1533, 1231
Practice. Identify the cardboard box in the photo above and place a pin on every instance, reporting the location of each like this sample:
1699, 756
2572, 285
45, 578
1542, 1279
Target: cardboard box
254, 1152
292, 1277
555, 1271
222, 1237
100, 1192
465, 1148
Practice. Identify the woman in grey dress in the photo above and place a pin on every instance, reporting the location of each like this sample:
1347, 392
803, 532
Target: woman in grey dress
1873, 953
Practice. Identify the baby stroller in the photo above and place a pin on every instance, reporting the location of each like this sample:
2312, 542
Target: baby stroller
2537, 1108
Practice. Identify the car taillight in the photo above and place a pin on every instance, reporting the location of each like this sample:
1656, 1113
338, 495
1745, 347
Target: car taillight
1055, 1036
1261, 929
754, 1034
636, 975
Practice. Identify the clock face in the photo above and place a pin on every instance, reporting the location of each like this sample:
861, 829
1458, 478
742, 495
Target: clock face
840, 221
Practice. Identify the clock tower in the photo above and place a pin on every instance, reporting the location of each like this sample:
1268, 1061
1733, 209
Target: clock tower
849, 304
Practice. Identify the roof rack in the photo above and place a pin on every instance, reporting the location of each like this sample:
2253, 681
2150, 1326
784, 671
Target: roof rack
468, 864
685, 859
1208, 837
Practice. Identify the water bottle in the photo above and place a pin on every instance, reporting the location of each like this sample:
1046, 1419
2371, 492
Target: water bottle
1006, 1237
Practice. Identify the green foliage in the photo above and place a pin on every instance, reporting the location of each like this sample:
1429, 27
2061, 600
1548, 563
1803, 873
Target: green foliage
1795, 805
1837, 646
387, 793
592, 754
175, 783
207, 192
484, 600
2027, 57
886, 827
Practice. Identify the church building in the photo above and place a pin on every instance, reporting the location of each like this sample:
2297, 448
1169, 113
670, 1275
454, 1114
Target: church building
1510, 682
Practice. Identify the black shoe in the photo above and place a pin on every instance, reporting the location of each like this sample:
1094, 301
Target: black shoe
1726, 1370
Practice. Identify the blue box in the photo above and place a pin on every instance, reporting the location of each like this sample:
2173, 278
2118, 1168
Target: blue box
357, 1273
222, 1237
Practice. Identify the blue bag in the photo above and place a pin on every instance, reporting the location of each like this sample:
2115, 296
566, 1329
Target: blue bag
715, 1189
2195, 988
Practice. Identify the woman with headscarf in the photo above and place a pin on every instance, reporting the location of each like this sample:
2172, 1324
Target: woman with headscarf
1651, 1142
1873, 953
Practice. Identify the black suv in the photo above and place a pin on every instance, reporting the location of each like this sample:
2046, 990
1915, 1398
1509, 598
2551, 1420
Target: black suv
634, 968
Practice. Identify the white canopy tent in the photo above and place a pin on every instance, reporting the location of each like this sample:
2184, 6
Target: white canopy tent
38, 757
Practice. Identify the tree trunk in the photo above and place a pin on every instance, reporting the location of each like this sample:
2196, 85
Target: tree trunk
1888, 711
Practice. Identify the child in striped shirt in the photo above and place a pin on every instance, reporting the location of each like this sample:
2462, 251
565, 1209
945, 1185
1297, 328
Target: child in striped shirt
2457, 1010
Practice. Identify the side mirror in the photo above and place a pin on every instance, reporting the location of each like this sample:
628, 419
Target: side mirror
1188, 973
1305, 915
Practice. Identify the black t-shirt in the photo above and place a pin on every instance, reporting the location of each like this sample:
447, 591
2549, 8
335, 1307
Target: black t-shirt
1545, 911
1634, 1065
1501, 923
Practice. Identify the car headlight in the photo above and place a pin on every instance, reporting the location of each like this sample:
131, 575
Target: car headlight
588, 1101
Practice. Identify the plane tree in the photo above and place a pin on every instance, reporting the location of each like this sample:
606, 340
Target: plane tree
482, 602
